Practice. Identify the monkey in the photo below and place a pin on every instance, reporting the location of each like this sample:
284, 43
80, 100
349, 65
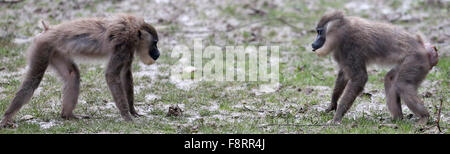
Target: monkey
116, 38
356, 43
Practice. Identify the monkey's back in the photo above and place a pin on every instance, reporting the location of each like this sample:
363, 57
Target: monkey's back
92, 37
383, 43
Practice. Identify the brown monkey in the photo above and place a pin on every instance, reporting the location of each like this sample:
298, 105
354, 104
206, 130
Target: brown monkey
357, 43
116, 38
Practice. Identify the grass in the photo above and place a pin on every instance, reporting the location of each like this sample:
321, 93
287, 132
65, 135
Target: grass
218, 107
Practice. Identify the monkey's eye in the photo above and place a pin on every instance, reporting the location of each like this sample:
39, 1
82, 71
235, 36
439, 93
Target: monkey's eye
319, 31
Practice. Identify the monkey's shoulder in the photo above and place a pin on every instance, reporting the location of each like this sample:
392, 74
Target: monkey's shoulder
123, 28
117, 29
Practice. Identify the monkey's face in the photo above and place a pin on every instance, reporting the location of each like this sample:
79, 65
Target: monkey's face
326, 40
320, 38
148, 49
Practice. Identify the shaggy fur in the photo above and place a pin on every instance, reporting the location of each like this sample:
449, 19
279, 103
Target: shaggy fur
357, 43
116, 38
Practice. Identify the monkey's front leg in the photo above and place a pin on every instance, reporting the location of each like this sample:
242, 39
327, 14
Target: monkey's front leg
119, 60
339, 86
358, 78
127, 82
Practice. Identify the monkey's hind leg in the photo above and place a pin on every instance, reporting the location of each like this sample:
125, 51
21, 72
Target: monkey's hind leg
70, 74
410, 75
39, 59
392, 97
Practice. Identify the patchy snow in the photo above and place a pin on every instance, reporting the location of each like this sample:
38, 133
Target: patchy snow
182, 84
45, 124
152, 97
151, 71
189, 69
321, 107
266, 88
235, 88
20, 41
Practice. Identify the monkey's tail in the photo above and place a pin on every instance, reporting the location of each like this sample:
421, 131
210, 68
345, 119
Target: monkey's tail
46, 27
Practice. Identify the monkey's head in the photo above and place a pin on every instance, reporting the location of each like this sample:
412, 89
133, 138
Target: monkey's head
327, 29
148, 39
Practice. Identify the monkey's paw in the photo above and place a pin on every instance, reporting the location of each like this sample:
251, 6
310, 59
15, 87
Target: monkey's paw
330, 108
7, 124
